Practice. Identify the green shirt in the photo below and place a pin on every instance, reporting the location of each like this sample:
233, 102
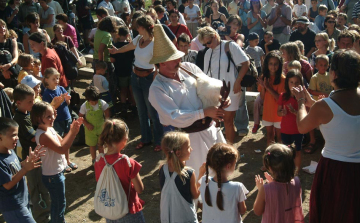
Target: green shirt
105, 38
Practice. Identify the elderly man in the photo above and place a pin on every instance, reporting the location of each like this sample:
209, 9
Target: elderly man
305, 35
173, 95
280, 18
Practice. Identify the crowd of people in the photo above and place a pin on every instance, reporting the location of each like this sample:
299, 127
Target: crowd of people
166, 62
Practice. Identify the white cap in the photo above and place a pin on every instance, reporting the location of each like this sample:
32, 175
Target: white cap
30, 80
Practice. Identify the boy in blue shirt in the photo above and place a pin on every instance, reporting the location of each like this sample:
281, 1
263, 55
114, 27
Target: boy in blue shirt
319, 19
14, 204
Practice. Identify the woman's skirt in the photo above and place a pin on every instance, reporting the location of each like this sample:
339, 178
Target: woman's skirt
335, 192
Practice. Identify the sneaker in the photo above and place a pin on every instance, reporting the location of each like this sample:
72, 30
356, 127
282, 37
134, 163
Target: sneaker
242, 134
255, 128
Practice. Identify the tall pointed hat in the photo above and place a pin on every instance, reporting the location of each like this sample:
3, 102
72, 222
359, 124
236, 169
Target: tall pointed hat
164, 50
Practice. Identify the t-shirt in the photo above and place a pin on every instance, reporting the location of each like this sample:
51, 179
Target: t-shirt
320, 82
51, 59
242, 13
125, 174
319, 22
26, 132
288, 122
308, 39
56, 6
286, 12
46, 14
274, 46
232, 192
16, 197
101, 83
83, 110
181, 8
258, 25
180, 29
92, 33
233, 8
123, 61
71, 32
105, 38
21, 76
256, 53
192, 13
270, 103
190, 57
63, 110
299, 10
8, 13
108, 6
183, 189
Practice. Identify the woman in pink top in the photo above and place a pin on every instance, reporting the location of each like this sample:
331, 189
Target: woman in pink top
279, 201
69, 30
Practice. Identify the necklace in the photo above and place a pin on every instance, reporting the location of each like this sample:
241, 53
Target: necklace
334, 91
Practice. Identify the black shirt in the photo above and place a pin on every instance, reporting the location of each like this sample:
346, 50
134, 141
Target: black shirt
181, 8
184, 190
274, 46
168, 32
222, 9
26, 132
308, 39
200, 58
123, 61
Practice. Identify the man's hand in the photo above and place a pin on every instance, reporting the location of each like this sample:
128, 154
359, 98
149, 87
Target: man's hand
214, 113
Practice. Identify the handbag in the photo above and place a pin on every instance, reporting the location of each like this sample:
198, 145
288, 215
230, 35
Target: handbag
82, 59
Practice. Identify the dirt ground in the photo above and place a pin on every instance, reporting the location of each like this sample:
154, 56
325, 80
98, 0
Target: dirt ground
80, 184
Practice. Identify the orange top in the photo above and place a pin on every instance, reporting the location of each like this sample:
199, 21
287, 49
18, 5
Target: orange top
270, 103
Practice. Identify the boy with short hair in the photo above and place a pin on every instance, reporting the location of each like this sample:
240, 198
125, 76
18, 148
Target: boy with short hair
319, 19
255, 51
183, 43
24, 97
93, 110
320, 83
341, 21
269, 43
101, 82
14, 204
123, 67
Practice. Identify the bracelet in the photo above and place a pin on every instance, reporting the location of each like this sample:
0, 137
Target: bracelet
301, 99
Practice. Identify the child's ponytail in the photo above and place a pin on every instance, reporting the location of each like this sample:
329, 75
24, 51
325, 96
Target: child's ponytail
207, 191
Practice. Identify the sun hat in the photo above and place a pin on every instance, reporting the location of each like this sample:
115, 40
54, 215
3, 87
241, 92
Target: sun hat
164, 50
30, 80
303, 19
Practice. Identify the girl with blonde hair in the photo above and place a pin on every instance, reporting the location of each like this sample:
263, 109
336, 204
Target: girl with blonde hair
324, 45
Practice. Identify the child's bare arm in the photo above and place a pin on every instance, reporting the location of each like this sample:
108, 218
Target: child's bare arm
138, 184
242, 207
107, 113
193, 187
259, 205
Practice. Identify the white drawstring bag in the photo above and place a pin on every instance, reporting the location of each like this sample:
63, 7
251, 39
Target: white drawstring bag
110, 200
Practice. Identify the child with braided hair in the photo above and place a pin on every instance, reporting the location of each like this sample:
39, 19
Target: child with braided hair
178, 182
229, 196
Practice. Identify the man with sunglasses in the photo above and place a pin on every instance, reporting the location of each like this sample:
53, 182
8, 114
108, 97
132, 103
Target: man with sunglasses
304, 34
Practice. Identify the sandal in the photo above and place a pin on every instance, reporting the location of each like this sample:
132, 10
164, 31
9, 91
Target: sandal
68, 169
73, 166
157, 148
310, 149
142, 145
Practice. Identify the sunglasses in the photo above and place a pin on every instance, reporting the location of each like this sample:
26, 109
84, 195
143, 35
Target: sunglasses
208, 43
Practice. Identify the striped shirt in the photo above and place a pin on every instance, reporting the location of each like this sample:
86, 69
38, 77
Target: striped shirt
356, 10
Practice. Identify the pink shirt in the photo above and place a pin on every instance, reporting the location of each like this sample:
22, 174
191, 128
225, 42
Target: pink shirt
283, 202
71, 32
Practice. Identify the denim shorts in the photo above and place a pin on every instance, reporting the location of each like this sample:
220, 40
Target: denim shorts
62, 127
22, 215
288, 139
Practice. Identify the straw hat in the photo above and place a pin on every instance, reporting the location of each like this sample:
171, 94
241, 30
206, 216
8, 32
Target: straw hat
164, 50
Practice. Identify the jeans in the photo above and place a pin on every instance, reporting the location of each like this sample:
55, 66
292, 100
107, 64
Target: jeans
140, 88
242, 115
56, 187
22, 215
129, 218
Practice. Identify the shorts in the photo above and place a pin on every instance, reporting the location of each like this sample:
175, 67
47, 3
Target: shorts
22, 214
107, 98
288, 139
124, 81
92, 137
129, 218
62, 127
275, 124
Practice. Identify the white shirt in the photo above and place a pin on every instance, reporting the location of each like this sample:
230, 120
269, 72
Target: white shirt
299, 9
108, 7
56, 6
233, 193
192, 13
101, 83
196, 45
177, 103
143, 55
92, 33
84, 110
117, 6
52, 162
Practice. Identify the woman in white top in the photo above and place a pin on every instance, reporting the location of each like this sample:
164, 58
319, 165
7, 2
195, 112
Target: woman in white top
216, 66
335, 191
192, 15
141, 79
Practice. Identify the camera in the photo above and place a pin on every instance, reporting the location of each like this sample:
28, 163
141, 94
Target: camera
226, 29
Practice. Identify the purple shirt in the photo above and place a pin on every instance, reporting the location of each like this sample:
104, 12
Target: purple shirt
71, 32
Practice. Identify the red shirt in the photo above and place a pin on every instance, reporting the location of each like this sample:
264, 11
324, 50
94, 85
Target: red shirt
288, 122
51, 59
180, 29
125, 174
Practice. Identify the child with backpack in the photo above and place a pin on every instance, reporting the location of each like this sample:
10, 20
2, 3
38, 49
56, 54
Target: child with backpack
223, 200
63, 119
279, 201
177, 181
54, 162
114, 137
